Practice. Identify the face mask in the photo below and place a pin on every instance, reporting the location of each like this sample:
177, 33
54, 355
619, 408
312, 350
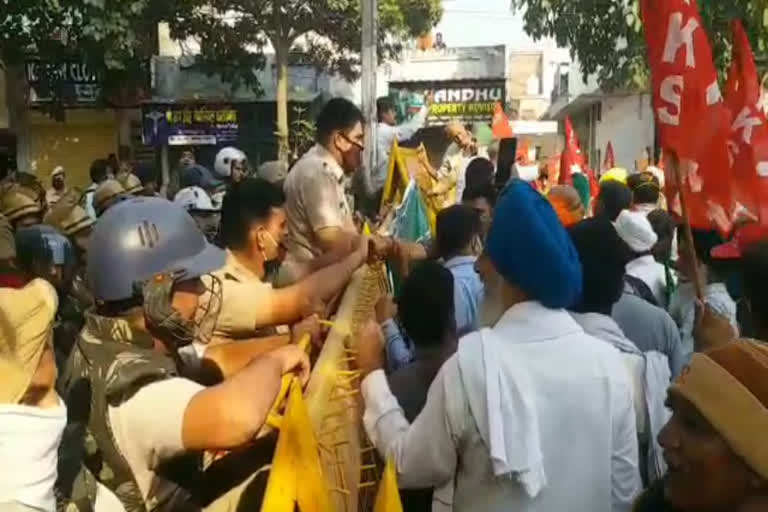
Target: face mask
29, 443
272, 263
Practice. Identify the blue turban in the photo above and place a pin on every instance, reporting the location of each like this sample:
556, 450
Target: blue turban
531, 249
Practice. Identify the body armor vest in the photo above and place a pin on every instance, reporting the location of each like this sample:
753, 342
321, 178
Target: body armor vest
105, 371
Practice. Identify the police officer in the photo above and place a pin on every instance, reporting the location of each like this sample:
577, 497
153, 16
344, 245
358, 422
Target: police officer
21, 205
124, 380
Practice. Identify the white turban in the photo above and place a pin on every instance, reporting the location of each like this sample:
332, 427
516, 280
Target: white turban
635, 229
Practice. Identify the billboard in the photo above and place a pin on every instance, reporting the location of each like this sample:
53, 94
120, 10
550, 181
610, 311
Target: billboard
189, 124
465, 101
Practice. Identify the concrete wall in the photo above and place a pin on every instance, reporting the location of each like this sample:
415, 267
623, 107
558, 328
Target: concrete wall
627, 122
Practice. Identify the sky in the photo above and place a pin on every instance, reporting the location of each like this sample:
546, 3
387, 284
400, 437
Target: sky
482, 22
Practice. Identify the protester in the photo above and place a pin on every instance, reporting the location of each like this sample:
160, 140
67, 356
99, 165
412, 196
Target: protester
201, 208
482, 199
109, 193
665, 250
645, 192
387, 132
614, 197
682, 307
451, 173
99, 174
650, 328
231, 165
319, 217
480, 172
253, 225
748, 250
186, 159
567, 204
604, 256
457, 245
426, 312
58, 186
714, 442
123, 381
645, 275
20, 205
524, 403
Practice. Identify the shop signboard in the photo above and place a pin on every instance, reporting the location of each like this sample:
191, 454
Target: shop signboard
465, 101
189, 124
76, 82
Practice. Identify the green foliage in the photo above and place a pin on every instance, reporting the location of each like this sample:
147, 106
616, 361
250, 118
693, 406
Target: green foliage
115, 38
302, 136
606, 36
326, 33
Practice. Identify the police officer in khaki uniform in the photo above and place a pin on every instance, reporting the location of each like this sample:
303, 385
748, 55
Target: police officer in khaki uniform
21, 205
126, 381
319, 215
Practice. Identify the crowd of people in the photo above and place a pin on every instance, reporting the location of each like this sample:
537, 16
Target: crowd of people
546, 349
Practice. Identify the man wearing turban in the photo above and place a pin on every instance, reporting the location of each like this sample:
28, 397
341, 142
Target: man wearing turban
538, 413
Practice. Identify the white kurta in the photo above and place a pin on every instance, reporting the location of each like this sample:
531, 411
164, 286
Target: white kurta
583, 399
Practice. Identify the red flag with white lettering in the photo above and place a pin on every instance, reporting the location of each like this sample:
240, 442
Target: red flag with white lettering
609, 162
571, 160
748, 141
500, 126
692, 120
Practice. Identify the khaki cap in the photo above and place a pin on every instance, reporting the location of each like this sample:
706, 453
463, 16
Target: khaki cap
17, 201
26, 328
131, 183
68, 216
105, 195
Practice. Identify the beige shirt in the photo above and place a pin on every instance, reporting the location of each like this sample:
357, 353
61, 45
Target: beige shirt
315, 199
247, 302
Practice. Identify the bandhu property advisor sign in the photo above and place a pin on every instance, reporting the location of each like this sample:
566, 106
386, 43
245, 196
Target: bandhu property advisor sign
465, 101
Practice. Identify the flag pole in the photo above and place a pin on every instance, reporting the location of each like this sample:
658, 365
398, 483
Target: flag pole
688, 232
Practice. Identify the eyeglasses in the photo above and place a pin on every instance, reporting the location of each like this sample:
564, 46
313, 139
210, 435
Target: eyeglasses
359, 145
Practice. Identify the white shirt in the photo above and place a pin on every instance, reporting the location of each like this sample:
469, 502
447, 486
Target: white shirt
583, 400
386, 136
652, 273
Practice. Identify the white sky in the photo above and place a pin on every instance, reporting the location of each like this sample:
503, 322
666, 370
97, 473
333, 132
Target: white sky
482, 22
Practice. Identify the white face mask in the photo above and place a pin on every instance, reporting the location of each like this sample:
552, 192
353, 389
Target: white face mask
29, 444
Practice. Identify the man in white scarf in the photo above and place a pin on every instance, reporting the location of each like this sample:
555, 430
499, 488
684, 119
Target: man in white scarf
32, 415
538, 412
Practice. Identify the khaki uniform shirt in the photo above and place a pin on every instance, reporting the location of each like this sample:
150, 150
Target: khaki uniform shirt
315, 199
247, 302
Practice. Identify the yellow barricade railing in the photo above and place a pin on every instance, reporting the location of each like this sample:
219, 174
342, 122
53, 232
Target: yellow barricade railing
323, 460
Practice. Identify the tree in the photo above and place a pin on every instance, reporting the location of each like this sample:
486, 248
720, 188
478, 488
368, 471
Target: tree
110, 36
234, 33
606, 36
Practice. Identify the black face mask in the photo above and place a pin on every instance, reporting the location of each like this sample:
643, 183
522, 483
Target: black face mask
272, 270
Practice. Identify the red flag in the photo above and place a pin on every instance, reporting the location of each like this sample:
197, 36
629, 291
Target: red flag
748, 140
571, 160
610, 160
501, 127
692, 119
